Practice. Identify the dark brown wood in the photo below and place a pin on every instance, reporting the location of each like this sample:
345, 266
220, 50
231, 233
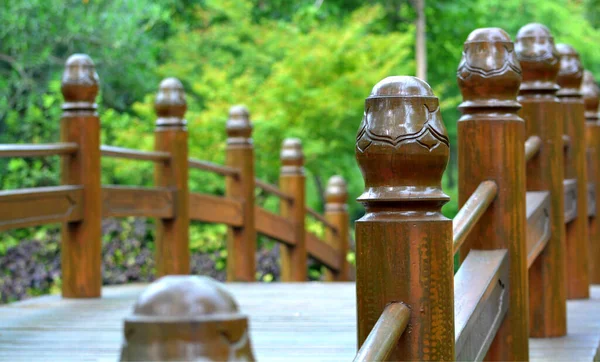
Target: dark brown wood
123, 201
403, 242
538, 224
273, 190
336, 213
38, 206
385, 334
543, 117
292, 182
132, 154
48, 149
491, 138
214, 209
171, 136
323, 252
81, 242
571, 197
213, 167
481, 288
532, 147
577, 245
274, 226
470, 213
241, 241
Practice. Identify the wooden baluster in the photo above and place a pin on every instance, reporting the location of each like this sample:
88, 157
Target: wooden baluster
172, 235
569, 79
543, 118
491, 138
336, 212
590, 94
403, 242
241, 241
292, 181
81, 250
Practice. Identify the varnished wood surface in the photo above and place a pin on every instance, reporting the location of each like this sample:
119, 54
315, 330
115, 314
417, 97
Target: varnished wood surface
209, 208
570, 190
29, 150
132, 154
538, 223
291, 322
213, 167
122, 201
274, 226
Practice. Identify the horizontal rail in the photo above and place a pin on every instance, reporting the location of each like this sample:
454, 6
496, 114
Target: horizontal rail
30, 150
538, 223
274, 190
274, 226
385, 334
323, 252
472, 211
570, 190
131, 154
123, 201
214, 209
213, 167
39, 206
321, 219
532, 147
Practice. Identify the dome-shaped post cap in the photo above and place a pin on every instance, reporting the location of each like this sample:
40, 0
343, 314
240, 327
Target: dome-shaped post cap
170, 104
538, 57
336, 194
291, 156
570, 74
79, 83
591, 94
239, 127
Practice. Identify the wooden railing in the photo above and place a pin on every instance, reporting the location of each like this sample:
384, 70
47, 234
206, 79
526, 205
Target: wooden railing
81, 202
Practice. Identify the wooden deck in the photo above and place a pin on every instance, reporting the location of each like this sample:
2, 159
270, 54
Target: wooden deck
296, 321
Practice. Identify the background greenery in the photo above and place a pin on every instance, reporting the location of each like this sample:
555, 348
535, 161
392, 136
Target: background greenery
302, 67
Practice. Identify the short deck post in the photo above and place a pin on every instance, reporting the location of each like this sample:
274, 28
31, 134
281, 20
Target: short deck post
403, 242
545, 172
81, 250
577, 253
241, 241
491, 146
336, 213
292, 182
172, 235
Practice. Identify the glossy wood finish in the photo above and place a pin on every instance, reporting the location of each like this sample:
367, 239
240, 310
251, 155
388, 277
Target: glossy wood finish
541, 111
538, 224
384, 335
481, 288
532, 147
336, 213
571, 197
172, 234
403, 242
274, 226
241, 241
577, 246
48, 149
273, 190
131, 154
213, 167
81, 242
214, 209
123, 201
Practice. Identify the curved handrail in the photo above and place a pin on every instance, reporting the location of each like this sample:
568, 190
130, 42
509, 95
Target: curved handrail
272, 189
29, 150
213, 167
321, 219
532, 147
385, 334
471, 211
132, 154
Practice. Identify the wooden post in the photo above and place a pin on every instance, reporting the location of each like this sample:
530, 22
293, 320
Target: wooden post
543, 118
590, 94
241, 241
491, 146
81, 249
336, 212
292, 182
577, 253
403, 242
172, 235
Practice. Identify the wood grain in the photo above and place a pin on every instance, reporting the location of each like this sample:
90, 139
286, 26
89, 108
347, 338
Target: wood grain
214, 209
123, 201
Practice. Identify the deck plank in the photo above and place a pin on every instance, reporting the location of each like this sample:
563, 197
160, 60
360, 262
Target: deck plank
295, 321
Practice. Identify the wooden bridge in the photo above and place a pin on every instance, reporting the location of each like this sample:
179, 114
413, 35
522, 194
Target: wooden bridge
526, 234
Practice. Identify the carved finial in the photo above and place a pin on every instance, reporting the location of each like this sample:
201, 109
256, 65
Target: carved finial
170, 104
489, 73
570, 75
239, 127
292, 158
186, 318
336, 195
591, 94
79, 84
538, 57
402, 146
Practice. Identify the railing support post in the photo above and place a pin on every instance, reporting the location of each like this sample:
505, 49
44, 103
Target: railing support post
403, 242
491, 146
336, 213
241, 241
172, 235
292, 182
81, 249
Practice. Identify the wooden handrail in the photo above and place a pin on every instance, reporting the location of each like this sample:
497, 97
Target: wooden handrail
272, 189
385, 334
29, 150
532, 147
320, 218
131, 154
213, 167
471, 211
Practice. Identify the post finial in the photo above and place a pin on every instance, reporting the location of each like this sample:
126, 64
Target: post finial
79, 84
591, 94
170, 104
336, 194
239, 127
186, 318
570, 74
538, 57
292, 157
489, 73
402, 147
